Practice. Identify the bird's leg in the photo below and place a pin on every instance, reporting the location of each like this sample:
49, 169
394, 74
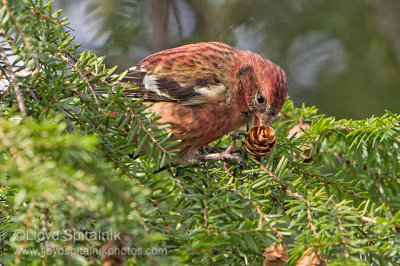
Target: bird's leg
225, 155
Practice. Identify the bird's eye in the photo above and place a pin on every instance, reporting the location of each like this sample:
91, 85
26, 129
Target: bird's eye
260, 98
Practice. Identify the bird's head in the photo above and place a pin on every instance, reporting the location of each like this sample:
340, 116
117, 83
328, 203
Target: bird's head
263, 86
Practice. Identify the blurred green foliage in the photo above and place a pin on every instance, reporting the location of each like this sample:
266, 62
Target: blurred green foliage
83, 163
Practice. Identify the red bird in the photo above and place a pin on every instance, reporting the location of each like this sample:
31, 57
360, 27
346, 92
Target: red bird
205, 90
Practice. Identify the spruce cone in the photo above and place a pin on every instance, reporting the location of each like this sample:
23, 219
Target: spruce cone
275, 255
259, 141
312, 258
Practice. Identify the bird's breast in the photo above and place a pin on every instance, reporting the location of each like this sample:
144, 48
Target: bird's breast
198, 125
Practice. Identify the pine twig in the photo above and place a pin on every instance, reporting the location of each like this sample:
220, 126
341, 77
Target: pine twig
310, 220
18, 94
324, 180
69, 62
282, 185
341, 230
44, 16
18, 26
258, 209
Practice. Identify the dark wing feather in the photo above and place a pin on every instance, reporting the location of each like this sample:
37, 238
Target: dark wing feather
152, 87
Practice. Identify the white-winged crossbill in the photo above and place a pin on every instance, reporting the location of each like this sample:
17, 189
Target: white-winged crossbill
205, 90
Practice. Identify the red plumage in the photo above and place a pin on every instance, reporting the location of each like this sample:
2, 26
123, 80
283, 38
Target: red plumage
206, 90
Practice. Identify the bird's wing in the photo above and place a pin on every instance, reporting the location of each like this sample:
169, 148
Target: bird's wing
154, 87
189, 75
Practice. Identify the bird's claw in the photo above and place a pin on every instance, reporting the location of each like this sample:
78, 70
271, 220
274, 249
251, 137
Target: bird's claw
226, 155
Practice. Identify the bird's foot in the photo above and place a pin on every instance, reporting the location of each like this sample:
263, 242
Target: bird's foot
226, 155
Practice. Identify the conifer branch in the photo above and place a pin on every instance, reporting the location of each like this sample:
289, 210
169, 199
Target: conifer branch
14, 80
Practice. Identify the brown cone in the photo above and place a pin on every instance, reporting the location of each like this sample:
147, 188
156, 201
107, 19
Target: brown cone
259, 141
312, 258
275, 255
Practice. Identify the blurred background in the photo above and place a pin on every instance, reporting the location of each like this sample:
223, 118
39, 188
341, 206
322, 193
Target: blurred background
341, 56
